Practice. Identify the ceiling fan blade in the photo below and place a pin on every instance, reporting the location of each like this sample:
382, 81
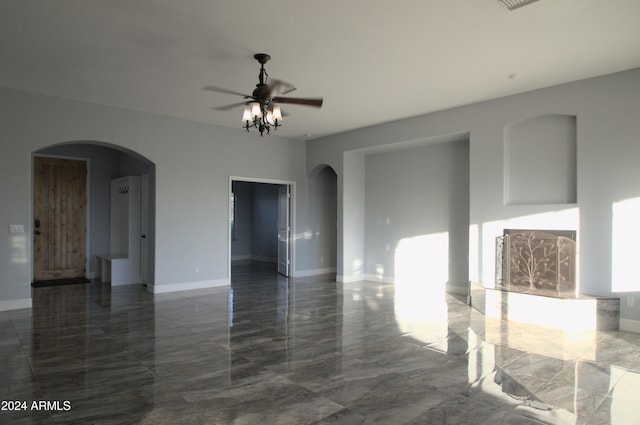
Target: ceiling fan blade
279, 87
228, 107
315, 102
223, 90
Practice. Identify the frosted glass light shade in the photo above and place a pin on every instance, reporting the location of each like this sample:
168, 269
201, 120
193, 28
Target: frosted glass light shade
277, 114
255, 110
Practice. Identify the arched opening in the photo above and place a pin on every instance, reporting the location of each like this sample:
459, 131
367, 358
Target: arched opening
323, 220
104, 164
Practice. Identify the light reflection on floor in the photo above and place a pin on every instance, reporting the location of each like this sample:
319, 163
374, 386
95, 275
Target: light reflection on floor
308, 351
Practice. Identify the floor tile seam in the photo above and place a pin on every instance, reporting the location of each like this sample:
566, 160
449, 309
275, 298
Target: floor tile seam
566, 366
599, 396
518, 357
328, 418
613, 386
600, 363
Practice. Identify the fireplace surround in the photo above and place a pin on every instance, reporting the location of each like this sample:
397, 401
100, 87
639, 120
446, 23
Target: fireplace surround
536, 284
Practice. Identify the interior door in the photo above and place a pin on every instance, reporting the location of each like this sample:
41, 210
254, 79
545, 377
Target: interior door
284, 229
60, 218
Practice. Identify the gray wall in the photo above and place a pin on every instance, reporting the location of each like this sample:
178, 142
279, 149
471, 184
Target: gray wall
193, 162
607, 178
417, 199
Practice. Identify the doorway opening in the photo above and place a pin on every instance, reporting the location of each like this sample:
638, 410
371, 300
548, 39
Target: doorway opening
260, 227
92, 227
323, 221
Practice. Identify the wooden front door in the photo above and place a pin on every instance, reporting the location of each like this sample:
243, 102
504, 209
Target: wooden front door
60, 218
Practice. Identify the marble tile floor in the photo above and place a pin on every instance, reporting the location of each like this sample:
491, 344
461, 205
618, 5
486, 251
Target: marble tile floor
271, 350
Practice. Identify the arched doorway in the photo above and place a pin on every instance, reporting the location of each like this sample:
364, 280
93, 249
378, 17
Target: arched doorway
104, 163
323, 220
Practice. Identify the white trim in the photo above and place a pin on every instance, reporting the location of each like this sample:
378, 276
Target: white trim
630, 325
449, 288
349, 278
457, 290
314, 272
15, 304
292, 216
187, 286
376, 278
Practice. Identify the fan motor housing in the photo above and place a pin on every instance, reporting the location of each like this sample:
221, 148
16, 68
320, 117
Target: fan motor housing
262, 57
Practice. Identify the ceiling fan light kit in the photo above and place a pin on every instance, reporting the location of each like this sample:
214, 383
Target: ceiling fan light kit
264, 119
516, 4
262, 111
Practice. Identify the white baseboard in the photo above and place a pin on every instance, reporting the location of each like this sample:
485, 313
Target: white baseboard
349, 278
15, 304
458, 290
314, 272
630, 325
376, 278
188, 286
450, 289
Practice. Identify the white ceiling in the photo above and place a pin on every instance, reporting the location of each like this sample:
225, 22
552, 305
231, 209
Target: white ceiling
373, 61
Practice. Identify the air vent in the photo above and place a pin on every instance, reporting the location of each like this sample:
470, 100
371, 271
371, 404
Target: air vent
515, 4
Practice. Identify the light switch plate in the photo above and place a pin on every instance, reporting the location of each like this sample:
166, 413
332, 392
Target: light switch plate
16, 228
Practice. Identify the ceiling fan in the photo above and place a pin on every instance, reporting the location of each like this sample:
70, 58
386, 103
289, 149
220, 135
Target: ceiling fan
262, 108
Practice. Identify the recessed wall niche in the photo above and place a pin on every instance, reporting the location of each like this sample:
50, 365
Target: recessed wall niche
540, 161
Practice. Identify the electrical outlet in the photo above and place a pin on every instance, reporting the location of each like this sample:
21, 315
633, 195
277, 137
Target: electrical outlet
631, 300
196, 269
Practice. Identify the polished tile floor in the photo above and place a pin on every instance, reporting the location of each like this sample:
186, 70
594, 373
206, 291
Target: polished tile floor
270, 350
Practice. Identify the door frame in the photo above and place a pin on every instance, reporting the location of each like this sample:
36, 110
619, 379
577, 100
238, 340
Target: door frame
145, 205
284, 211
87, 242
292, 216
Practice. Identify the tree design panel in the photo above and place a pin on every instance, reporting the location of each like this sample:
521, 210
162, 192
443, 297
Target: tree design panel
537, 262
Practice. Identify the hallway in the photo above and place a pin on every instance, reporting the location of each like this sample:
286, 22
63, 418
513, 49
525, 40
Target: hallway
272, 350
